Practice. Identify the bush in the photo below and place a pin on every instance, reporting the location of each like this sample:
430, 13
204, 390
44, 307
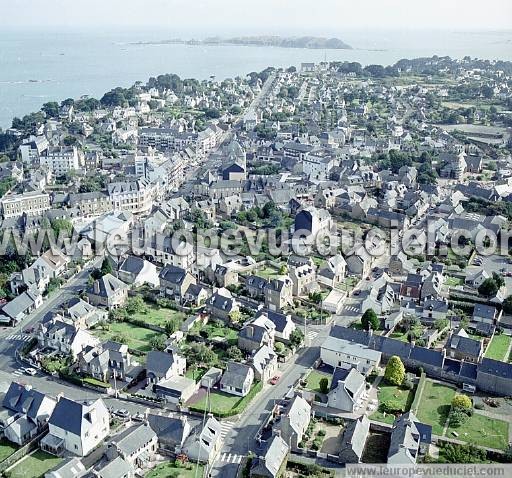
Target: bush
395, 371
461, 401
324, 385
408, 384
479, 406
458, 416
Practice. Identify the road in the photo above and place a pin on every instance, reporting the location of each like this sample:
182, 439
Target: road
242, 437
13, 338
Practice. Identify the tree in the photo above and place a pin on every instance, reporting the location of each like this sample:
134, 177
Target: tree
234, 353
235, 316
324, 384
51, 109
157, 343
296, 337
507, 305
370, 319
135, 305
488, 288
460, 400
106, 267
172, 325
395, 371
201, 354
454, 453
279, 347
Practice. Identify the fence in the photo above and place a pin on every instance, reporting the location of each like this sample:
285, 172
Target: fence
20, 453
419, 390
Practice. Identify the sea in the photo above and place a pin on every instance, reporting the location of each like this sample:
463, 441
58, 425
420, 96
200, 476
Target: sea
52, 64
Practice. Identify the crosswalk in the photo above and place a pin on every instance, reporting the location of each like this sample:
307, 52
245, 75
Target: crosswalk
18, 337
225, 428
311, 335
231, 458
351, 308
17, 373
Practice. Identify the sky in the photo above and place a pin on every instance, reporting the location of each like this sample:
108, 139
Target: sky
330, 17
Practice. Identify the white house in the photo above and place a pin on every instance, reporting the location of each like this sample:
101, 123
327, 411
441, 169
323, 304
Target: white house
76, 427
342, 353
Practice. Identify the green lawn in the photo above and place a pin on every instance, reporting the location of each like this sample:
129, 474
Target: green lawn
195, 373
6, 449
135, 337
171, 470
392, 394
159, 315
313, 380
435, 405
483, 431
224, 404
267, 272
34, 465
214, 329
451, 281
498, 347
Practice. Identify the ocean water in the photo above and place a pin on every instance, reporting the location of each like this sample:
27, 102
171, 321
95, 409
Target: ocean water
51, 65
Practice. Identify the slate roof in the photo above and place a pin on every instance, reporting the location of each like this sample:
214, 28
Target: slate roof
355, 435
108, 286
270, 463
496, 368
159, 362
170, 430
484, 311
134, 438
173, 274
351, 378
23, 400
465, 345
235, 375
69, 415
279, 320
132, 265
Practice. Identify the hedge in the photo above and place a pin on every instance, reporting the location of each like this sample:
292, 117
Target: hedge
419, 391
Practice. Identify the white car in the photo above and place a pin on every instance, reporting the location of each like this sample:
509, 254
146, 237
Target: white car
30, 371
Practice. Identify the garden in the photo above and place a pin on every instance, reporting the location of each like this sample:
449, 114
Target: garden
434, 405
176, 470
137, 338
34, 465
224, 404
393, 399
498, 347
313, 381
6, 449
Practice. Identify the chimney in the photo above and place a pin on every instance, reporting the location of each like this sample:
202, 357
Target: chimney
96, 286
250, 331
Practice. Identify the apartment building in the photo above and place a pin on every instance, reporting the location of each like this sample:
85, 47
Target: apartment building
33, 203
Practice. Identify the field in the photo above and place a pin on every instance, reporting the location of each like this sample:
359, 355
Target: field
395, 395
435, 405
215, 329
498, 347
267, 272
33, 466
6, 449
171, 470
483, 431
159, 315
223, 404
313, 380
137, 338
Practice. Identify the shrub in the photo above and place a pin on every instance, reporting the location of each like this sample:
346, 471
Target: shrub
461, 401
408, 384
479, 406
395, 371
324, 385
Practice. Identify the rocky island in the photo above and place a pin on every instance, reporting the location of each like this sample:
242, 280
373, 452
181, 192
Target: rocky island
308, 42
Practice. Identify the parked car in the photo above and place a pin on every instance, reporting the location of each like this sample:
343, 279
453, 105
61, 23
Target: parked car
30, 371
274, 380
138, 417
122, 413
